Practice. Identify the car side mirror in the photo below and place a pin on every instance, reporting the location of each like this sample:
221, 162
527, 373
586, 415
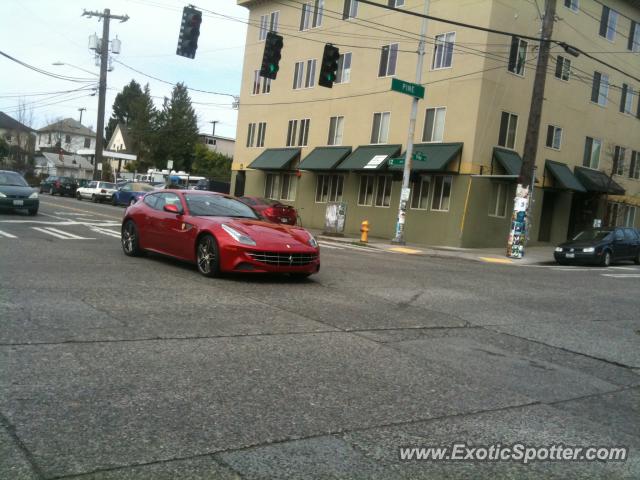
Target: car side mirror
171, 208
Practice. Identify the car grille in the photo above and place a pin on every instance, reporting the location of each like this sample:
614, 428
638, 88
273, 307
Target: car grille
17, 196
284, 259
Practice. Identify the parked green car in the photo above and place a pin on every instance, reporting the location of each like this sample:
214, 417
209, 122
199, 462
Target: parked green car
16, 194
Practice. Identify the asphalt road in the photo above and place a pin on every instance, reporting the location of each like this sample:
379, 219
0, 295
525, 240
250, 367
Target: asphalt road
113, 367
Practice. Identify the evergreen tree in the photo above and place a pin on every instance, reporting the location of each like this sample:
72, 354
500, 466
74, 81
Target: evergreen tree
177, 132
141, 127
213, 165
123, 107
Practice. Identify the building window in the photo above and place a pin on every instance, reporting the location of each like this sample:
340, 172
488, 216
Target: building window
303, 138
441, 193
291, 133
628, 99
396, 3
268, 23
329, 188
336, 127
87, 142
298, 75
508, 128
634, 166
498, 203
287, 186
257, 81
305, 17
312, 13
443, 50
350, 9
343, 75
591, 156
318, 13
600, 88
563, 68
251, 132
634, 37
365, 195
380, 129
420, 190
618, 160
383, 191
310, 81
262, 130
271, 186
630, 217
388, 59
572, 5
554, 137
518, 55
8, 137
434, 124
608, 23
67, 139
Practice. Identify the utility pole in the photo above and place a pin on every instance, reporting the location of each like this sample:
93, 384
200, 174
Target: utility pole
406, 174
82, 109
213, 122
103, 45
526, 182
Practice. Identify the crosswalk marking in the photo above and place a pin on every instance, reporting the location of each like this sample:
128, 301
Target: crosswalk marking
6, 235
621, 275
54, 232
106, 231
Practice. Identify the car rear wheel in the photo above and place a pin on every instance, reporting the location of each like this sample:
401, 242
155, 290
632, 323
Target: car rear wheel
131, 240
207, 256
132, 202
94, 199
113, 200
606, 258
78, 196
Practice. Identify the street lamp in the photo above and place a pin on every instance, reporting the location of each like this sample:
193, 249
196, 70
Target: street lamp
58, 64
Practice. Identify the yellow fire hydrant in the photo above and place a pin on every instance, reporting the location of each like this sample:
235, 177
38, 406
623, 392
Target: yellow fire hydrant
364, 229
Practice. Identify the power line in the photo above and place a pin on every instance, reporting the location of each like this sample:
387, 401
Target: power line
44, 72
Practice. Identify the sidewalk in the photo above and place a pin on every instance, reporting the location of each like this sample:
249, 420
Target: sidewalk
534, 255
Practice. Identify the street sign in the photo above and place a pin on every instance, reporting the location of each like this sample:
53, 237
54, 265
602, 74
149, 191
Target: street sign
419, 157
396, 161
412, 89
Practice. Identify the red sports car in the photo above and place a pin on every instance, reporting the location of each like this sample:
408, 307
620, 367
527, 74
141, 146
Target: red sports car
217, 233
272, 209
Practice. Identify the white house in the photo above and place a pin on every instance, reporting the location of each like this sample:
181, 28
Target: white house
63, 165
16, 135
68, 134
223, 145
119, 141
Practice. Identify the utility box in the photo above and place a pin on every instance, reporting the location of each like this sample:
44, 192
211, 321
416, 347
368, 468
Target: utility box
334, 218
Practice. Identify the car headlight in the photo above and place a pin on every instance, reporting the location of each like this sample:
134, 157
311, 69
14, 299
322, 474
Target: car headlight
237, 236
34, 195
2, 195
558, 249
589, 250
312, 241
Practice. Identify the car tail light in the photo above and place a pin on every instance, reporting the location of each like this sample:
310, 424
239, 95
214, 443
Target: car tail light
269, 212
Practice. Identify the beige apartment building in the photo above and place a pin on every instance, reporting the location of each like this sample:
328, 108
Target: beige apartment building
309, 146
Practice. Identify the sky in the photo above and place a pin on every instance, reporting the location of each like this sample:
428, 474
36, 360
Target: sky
41, 32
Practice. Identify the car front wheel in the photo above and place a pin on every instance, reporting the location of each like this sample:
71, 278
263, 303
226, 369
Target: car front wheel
78, 196
130, 240
606, 258
207, 256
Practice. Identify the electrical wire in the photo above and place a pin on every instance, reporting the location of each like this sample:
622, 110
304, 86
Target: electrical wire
44, 72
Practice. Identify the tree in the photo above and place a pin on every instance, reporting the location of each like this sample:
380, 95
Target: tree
213, 165
123, 107
177, 132
141, 127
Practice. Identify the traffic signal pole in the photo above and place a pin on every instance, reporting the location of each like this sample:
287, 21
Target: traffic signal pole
406, 174
102, 90
520, 223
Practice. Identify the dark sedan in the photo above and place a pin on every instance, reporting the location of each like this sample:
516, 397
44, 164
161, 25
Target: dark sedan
600, 246
130, 193
15, 193
60, 185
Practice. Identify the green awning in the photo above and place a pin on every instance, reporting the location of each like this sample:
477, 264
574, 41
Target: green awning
275, 159
597, 181
324, 158
369, 157
438, 156
563, 176
508, 159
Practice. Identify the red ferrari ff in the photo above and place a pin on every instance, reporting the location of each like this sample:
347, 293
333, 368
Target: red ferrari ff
217, 233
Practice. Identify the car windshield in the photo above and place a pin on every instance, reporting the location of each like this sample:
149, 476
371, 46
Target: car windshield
595, 234
13, 179
218, 206
108, 185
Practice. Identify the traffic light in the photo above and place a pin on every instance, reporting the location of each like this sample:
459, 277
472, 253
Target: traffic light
271, 57
329, 66
189, 32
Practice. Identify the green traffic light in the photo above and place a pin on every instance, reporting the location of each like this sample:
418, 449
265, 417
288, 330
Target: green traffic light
273, 68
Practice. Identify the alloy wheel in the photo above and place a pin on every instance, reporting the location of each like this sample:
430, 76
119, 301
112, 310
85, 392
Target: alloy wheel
129, 238
206, 255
